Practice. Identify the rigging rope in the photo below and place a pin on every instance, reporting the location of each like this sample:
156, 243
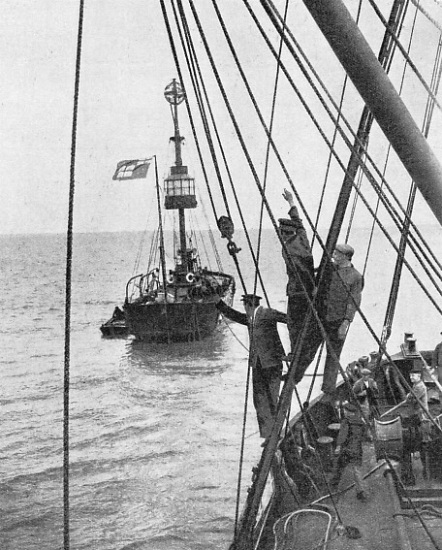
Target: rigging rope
266, 162
405, 54
364, 167
258, 182
333, 141
219, 142
231, 247
239, 136
413, 189
241, 140
175, 56
427, 15
69, 257
191, 61
309, 65
324, 137
390, 50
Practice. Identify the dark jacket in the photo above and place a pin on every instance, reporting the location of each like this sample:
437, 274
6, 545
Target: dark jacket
298, 258
266, 344
363, 391
350, 437
343, 295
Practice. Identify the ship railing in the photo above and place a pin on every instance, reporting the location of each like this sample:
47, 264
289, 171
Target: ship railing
137, 288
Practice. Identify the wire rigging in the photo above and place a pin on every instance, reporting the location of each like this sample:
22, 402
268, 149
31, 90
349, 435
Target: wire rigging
267, 156
241, 140
248, 157
333, 142
386, 202
69, 257
221, 148
254, 173
358, 141
405, 54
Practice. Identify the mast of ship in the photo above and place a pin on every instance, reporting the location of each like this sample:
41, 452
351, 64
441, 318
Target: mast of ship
179, 187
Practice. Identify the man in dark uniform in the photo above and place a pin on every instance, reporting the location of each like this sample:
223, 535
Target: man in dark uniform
416, 425
300, 271
266, 352
349, 449
367, 393
343, 297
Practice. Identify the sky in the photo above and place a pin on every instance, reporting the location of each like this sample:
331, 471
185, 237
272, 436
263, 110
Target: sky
126, 64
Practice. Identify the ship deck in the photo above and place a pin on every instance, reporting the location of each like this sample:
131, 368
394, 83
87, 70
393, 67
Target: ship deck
380, 520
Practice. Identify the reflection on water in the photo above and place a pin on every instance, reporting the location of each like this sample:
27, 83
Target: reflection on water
195, 358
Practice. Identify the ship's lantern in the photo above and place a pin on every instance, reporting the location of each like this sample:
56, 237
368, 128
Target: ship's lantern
179, 189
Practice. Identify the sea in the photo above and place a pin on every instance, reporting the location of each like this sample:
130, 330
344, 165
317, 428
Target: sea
155, 431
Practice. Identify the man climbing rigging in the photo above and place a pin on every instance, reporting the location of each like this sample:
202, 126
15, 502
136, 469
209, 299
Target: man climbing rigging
299, 263
266, 352
342, 298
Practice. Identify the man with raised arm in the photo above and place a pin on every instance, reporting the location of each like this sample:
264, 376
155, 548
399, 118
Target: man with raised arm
299, 263
266, 352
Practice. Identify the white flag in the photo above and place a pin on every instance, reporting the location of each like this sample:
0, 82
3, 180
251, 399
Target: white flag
132, 169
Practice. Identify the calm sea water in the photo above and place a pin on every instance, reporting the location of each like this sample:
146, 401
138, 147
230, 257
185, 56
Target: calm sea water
154, 430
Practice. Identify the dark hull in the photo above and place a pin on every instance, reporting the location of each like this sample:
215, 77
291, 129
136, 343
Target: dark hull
114, 328
171, 322
187, 313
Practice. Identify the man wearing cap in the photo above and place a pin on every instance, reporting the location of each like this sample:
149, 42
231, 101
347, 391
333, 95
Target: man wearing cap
300, 271
366, 392
416, 426
418, 397
265, 356
349, 449
342, 298
374, 356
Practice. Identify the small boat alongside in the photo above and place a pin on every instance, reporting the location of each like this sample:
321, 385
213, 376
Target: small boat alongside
115, 327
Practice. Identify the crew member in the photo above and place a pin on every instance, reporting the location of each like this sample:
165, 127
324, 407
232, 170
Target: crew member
374, 360
367, 393
342, 298
154, 283
299, 263
418, 397
416, 426
266, 352
338, 300
349, 449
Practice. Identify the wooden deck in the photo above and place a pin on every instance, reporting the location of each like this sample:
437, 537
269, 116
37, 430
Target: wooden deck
381, 521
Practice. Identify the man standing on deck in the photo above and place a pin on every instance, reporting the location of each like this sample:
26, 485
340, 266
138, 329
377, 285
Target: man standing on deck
416, 426
349, 449
418, 397
266, 352
300, 271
